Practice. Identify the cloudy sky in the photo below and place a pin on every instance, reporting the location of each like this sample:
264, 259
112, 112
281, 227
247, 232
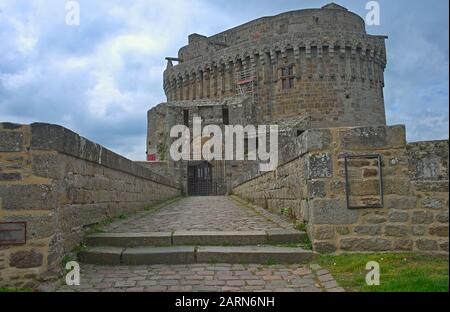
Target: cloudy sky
100, 78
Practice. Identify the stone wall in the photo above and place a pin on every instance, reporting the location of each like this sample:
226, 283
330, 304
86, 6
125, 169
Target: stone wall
60, 183
409, 214
174, 171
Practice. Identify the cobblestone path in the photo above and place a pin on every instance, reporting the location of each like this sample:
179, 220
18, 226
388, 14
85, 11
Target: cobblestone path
201, 214
204, 277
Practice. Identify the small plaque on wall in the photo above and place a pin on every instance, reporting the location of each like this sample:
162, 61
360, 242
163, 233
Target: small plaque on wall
364, 181
13, 233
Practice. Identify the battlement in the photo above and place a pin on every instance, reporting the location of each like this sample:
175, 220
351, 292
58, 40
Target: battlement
331, 17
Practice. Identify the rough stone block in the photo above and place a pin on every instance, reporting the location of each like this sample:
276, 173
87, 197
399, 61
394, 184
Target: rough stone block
398, 216
364, 188
324, 247
54, 137
397, 186
324, 232
441, 231
368, 230
422, 217
320, 166
316, 189
332, 211
314, 140
9, 126
403, 245
343, 230
26, 259
444, 246
442, 217
32, 197
400, 202
375, 137
427, 245
13, 176
428, 160
370, 173
47, 164
396, 230
11, 141
431, 186
418, 230
365, 244
432, 203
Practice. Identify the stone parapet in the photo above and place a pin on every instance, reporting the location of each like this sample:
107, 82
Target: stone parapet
360, 189
60, 184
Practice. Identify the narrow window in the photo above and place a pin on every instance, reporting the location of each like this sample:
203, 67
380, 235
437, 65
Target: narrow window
246, 146
186, 117
225, 116
300, 132
287, 77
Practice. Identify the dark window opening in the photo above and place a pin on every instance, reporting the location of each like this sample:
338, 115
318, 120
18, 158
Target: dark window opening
246, 146
300, 132
225, 116
186, 117
287, 77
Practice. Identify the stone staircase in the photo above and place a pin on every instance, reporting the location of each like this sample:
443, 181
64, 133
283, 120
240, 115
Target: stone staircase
189, 247
198, 230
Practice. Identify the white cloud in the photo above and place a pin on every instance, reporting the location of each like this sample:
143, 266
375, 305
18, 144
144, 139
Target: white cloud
17, 80
102, 76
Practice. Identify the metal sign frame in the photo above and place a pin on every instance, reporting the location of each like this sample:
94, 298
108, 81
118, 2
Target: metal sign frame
12, 243
347, 184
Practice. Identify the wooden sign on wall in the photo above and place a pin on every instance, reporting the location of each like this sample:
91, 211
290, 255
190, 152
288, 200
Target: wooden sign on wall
13, 233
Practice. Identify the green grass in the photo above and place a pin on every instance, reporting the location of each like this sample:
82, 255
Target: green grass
300, 226
9, 290
399, 272
307, 245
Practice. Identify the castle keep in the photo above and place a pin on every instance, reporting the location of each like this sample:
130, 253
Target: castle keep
303, 69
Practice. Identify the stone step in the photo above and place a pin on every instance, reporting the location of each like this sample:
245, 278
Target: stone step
190, 254
253, 254
158, 255
130, 239
196, 238
101, 255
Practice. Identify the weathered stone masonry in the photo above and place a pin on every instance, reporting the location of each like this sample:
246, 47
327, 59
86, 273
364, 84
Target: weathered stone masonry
60, 183
311, 184
302, 69
338, 69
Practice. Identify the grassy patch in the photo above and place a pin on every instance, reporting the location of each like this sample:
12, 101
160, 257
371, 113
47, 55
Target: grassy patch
271, 262
72, 256
307, 245
9, 290
399, 272
300, 226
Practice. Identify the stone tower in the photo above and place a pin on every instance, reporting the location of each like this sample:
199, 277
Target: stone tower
304, 69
